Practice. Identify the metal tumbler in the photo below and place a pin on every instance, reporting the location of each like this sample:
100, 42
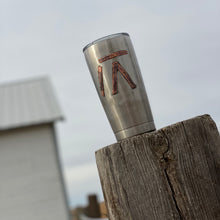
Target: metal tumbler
114, 68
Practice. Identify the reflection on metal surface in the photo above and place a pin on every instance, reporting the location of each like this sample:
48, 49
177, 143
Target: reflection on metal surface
116, 66
113, 55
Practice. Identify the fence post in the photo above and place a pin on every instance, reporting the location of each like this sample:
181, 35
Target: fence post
171, 173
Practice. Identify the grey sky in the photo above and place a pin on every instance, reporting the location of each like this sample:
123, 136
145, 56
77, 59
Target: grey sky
177, 46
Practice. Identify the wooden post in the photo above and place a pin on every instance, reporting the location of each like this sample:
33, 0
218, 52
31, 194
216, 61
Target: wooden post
171, 173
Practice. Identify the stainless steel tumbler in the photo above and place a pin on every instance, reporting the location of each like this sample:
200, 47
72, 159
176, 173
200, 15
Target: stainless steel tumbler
117, 77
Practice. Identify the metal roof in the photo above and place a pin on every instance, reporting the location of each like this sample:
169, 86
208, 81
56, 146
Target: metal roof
26, 103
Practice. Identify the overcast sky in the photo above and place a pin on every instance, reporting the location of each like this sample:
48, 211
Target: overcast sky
177, 44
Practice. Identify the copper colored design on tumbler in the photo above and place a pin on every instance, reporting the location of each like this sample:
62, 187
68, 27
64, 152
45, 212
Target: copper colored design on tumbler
113, 55
100, 75
116, 66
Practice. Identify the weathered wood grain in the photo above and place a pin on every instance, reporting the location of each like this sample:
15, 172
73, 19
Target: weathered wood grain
172, 173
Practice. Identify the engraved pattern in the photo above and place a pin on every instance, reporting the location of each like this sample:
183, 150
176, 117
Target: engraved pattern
113, 55
100, 75
116, 66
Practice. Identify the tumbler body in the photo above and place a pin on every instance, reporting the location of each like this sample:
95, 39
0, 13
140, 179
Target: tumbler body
115, 71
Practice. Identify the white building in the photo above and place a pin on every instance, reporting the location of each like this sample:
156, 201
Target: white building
31, 184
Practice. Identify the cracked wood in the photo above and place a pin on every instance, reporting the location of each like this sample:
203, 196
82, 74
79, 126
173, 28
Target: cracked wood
172, 173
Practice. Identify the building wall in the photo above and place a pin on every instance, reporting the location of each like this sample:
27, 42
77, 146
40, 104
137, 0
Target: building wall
30, 180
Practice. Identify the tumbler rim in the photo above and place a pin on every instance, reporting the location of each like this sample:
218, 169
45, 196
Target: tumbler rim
104, 38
